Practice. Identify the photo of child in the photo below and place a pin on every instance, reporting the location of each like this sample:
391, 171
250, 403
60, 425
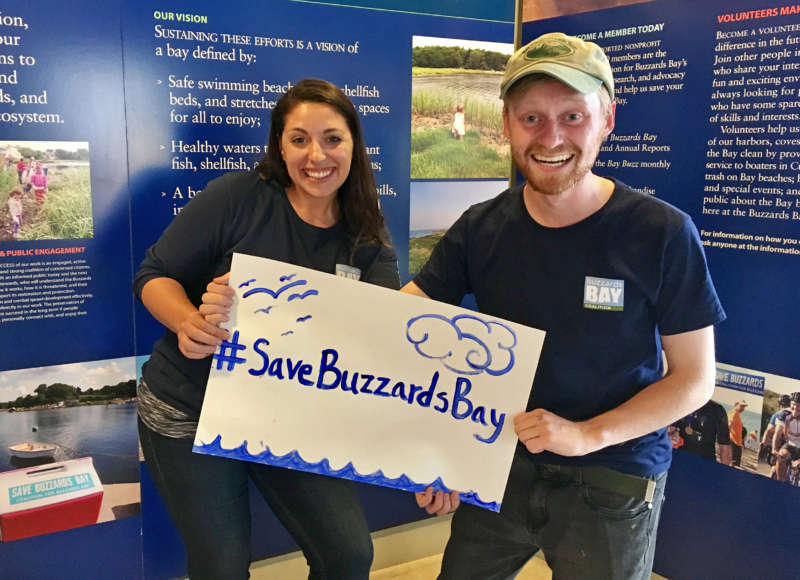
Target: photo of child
458, 129
15, 211
39, 184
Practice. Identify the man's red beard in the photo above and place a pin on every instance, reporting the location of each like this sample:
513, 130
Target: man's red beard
557, 182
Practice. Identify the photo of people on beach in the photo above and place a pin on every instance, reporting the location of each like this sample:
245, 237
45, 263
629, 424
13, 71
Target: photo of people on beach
435, 206
68, 447
45, 191
456, 121
752, 422
743, 411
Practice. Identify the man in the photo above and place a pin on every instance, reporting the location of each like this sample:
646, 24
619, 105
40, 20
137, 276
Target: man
737, 433
612, 275
787, 430
764, 453
704, 428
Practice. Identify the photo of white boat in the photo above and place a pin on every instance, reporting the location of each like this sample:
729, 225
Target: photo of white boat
32, 449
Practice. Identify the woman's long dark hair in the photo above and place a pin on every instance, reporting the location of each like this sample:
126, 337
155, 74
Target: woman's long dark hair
358, 196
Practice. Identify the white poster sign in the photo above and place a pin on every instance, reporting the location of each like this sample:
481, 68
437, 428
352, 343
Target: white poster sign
329, 375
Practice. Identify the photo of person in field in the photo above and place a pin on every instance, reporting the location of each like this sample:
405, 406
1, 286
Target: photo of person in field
456, 112
45, 191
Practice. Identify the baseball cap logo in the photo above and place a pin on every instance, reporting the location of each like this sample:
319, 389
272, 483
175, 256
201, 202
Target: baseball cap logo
549, 49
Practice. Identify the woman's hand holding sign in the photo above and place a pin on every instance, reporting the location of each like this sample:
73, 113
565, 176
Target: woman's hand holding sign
217, 300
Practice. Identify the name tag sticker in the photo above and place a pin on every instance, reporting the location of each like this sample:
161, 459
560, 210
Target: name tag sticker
603, 294
345, 271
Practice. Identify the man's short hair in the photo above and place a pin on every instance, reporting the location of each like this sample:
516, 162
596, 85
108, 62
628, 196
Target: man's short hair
521, 85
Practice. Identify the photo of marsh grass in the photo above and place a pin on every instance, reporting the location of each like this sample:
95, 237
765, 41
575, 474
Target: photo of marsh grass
450, 76
57, 204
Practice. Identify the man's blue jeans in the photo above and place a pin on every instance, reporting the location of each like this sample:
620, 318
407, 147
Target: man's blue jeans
585, 532
207, 499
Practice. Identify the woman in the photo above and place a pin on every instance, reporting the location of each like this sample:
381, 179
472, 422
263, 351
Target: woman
312, 202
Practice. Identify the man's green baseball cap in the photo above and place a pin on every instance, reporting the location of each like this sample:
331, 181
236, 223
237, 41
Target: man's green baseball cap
581, 65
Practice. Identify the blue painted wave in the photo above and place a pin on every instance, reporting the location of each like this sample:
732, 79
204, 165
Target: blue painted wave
293, 460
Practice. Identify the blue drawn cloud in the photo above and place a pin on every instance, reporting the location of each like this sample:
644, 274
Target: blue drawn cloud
465, 344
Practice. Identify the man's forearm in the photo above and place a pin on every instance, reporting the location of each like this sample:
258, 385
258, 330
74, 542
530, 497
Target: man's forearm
688, 384
658, 405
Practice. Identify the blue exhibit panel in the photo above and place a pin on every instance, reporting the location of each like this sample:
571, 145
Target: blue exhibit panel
668, 141
368, 53
66, 62
716, 517
706, 98
383, 62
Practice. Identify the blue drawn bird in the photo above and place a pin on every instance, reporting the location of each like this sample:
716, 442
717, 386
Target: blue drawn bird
302, 296
274, 293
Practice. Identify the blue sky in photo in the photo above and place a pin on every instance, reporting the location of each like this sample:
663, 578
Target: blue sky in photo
437, 204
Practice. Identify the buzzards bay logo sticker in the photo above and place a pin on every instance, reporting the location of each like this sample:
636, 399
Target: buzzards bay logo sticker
549, 48
603, 293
